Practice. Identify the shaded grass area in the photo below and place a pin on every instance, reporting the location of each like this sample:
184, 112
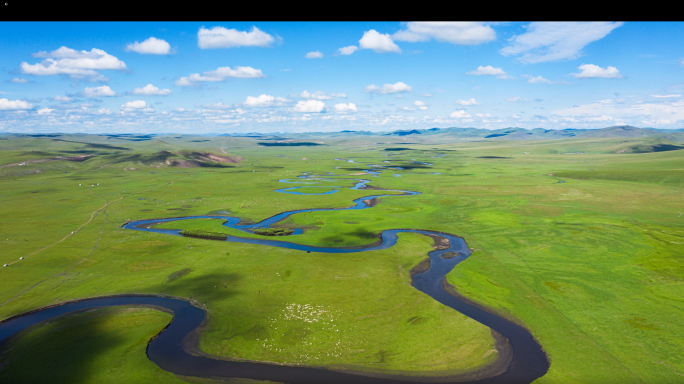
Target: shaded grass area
101, 345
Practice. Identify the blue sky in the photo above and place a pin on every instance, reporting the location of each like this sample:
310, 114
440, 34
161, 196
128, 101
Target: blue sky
301, 77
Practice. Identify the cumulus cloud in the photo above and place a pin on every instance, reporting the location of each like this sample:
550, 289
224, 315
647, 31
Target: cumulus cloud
18, 80
517, 99
459, 114
318, 95
421, 105
314, 55
537, 80
9, 105
45, 111
388, 88
664, 112
76, 64
666, 95
215, 106
378, 42
98, 92
151, 46
591, 70
345, 108
546, 41
309, 106
467, 102
489, 71
348, 50
220, 37
462, 33
137, 105
405, 108
220, 74
151, 90
265, 101
63, 99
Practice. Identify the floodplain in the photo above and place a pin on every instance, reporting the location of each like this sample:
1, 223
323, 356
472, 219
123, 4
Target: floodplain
577, 240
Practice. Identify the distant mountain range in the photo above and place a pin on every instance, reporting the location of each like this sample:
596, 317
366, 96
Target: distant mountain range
625, 131
431, 135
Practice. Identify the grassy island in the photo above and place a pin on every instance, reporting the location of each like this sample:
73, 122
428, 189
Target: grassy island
273, 231
203, 234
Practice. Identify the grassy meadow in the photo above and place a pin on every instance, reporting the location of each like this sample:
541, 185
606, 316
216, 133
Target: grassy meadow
592, 265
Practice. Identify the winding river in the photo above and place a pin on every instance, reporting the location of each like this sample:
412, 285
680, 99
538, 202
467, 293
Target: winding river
526, 363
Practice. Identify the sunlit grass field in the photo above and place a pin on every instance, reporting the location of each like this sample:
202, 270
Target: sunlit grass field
592, 265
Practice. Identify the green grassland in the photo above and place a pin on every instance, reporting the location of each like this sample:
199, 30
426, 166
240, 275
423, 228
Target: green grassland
592, 266
102, 345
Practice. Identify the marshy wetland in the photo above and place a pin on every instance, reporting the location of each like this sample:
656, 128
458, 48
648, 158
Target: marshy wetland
589, 267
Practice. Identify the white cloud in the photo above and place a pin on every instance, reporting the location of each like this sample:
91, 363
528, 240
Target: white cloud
18, 80
489, 71
98, 92
63, 99
217, 106
309, 106
73, 63
467, 102
378, 42
132, 105
220, 74
547, 41
151, 46
220, 37
462, 33
591, 71
348, 50
318, 95
661, 113
459, 114
388, 88
314, 55
517, 99
426, 95
538, 80
265, 101
405, 108
345, 108
421, 105
151, 90
666, 95
45, 111
7, 105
